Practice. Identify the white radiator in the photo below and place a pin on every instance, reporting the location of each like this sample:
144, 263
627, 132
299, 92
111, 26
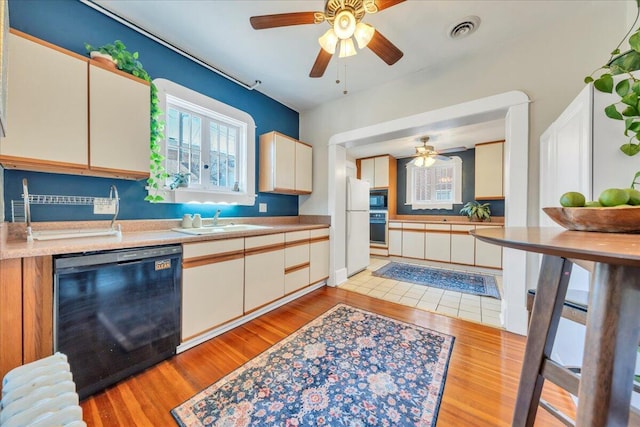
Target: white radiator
40, 394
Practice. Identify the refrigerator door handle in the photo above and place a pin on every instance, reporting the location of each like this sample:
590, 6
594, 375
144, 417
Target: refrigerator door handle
348, 226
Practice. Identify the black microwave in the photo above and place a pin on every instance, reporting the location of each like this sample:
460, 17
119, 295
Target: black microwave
378, 201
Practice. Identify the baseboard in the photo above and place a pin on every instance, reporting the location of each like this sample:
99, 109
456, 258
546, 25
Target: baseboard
341, 276
379, 251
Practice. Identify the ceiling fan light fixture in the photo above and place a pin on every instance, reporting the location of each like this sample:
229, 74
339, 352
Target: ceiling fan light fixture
344, 24
363, 34
347, 48
424, 161
328, 41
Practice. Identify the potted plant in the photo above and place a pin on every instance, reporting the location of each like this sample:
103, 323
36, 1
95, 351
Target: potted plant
476, 211
627, 88
128, 62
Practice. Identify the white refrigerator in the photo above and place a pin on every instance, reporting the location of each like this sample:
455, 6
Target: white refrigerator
357, 225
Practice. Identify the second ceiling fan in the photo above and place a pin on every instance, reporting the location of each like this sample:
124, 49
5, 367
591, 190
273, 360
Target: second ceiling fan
345, 18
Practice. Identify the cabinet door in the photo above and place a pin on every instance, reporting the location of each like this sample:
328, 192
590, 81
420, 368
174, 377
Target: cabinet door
488, 183
119, 106
46, 104
285, 160
413, 240
395, 239
367, 171
263, 270
437, 241
381, 171
319, 255
304, 168
212, 285
487, 255
296, 261
462, 244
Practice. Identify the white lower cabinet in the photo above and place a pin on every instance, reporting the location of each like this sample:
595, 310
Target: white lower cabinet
318, 255
212, 285
488, 255
296, 261
413, 240
462, 244
437, 241
395, 239
263, 270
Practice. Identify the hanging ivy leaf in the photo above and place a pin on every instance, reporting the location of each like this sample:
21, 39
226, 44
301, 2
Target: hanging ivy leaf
630, 111
630, 99
630, 149
612, 113
622, 88
604, 83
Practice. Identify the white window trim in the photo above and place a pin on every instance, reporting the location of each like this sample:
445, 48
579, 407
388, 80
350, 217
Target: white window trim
457, 188
198, 102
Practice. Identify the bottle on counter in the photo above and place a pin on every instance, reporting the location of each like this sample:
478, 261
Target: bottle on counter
187, 221
197, 221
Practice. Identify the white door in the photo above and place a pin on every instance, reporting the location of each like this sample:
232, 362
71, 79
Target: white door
357, 241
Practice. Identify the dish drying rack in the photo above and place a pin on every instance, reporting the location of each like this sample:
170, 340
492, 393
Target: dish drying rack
47, 199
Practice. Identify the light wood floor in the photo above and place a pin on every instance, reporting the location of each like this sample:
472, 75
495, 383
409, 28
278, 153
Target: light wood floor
480, 386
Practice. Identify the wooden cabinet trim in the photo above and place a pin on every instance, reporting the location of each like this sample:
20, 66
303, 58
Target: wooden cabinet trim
11, 312
47, 44
296, 268
37, 303
319, 280
120, 172
490, 142
263, 249
296, 243
463, 232
432, 231
319, 239
394, 228
18, 162
212, 259
118, 72
490, 198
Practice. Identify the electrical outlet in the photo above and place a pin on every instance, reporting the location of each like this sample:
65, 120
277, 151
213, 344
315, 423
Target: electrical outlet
262, 207
104, 206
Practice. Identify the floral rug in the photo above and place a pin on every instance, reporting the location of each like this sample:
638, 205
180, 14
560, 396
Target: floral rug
468, 283
348, 367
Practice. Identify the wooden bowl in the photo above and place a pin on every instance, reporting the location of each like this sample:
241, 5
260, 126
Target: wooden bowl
619, 219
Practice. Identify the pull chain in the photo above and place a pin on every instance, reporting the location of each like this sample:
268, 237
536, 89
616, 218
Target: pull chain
345, 91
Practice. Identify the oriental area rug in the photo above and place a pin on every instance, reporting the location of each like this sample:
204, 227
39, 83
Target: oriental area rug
468, 283
348, 367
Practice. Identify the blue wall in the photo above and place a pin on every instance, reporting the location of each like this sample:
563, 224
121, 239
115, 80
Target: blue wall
468, 188
69, 24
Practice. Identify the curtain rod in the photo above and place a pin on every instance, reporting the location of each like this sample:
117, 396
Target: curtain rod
168, 45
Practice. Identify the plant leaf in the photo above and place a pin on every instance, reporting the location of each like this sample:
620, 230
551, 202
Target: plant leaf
623, 86
633, 184
630, 149
634, 126
634, 41
612, 113
604, 83
589, 79
630, 111
630, 99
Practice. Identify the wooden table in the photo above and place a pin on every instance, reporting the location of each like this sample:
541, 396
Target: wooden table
613, 324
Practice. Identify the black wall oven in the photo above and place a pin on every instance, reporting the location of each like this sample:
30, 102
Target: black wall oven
116, 312
378, 227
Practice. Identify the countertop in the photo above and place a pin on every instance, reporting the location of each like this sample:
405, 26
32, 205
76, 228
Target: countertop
13, 242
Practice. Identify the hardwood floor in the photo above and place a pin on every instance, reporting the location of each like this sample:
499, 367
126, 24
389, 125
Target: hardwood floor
480, 386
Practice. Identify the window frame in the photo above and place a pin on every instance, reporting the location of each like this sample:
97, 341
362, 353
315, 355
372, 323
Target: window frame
455, 163
170, 93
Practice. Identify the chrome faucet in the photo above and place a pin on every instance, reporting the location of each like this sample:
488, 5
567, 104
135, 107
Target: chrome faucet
215, 217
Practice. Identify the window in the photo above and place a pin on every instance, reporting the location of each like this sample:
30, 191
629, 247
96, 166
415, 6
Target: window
435, 187
212, 142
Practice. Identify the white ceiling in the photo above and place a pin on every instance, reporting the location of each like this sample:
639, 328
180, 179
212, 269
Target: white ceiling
219, 33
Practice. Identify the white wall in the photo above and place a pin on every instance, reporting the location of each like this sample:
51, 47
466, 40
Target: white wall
549, 65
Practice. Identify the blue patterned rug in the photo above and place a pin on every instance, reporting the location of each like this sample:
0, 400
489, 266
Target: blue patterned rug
348, 367
469, 283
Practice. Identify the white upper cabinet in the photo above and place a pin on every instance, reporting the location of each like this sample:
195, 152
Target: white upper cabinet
119, 122
285, 165
489, 171
65, 114
375, 171
47, 117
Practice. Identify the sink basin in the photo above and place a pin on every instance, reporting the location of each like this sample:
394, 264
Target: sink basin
220, 229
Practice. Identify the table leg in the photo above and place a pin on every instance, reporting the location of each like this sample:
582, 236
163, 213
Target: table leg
613, 332
547, 309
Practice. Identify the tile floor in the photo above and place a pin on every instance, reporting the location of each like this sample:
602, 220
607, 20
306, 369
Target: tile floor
475, 308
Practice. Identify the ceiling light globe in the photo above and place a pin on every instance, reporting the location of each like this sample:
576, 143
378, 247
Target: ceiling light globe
347, 48
344, 24
429, 161
363, 34
328, 41
419, 161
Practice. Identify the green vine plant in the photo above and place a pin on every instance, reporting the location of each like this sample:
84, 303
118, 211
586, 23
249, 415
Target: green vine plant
128, 62
628, 89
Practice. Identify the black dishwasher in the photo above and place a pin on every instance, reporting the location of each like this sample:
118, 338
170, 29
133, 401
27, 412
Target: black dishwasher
116, 312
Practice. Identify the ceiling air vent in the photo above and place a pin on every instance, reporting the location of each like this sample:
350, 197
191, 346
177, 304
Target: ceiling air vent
465, 27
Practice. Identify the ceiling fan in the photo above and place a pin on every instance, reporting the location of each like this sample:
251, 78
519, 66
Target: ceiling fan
426, 155
345, 18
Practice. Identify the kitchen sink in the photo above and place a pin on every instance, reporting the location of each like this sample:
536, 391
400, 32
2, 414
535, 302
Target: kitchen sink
221, 229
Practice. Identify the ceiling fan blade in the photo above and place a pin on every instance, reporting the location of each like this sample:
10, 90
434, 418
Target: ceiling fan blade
283, 20
386, 50
439, 157
322, 61
452, 150
385, 4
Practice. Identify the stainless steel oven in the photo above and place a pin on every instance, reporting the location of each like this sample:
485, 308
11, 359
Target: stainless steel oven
378, 227
116, 312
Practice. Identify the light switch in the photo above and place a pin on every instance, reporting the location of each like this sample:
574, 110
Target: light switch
262, 207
